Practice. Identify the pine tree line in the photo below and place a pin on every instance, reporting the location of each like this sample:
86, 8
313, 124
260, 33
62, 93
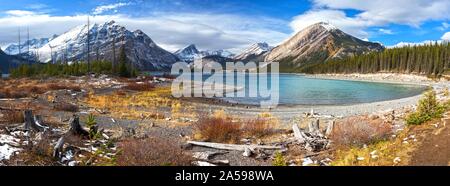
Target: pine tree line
79, 68
430, 60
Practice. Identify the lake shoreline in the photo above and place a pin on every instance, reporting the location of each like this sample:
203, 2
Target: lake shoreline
287, 113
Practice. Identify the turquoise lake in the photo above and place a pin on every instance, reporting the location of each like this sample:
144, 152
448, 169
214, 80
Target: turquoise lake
300, 90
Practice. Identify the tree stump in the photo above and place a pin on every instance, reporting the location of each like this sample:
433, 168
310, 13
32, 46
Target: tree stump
76, 129
31, 123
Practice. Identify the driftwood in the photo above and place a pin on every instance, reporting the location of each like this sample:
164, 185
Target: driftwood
330, 128
314, 127
76, 128
298, 134
233, 147
33, 122
57, 150
313, 138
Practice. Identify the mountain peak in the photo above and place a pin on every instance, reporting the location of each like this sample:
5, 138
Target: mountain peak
254, 52
323, 25
318, 43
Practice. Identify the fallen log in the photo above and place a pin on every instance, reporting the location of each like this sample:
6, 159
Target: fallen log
242, 148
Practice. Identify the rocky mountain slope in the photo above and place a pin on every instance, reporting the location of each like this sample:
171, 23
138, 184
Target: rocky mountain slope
105, 40
318, 43
255, 53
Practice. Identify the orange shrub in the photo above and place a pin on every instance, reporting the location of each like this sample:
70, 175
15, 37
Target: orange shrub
359, 130
221, 130
151, 152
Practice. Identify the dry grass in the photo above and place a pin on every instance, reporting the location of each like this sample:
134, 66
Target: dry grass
11, 117
257, 127
151, 152
68, 107
21, 88
39, 154
381, 153
223, 128
139, 86
149, 104
360, 130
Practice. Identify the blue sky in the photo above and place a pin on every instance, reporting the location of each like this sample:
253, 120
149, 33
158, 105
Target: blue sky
233, 24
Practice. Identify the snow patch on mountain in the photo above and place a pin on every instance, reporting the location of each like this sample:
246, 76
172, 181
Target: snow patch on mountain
253, 52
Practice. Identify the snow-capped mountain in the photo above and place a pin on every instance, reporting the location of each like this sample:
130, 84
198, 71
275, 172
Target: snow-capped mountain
318, 43
190, 52
13, 49
222, 53
255, 53
105, 40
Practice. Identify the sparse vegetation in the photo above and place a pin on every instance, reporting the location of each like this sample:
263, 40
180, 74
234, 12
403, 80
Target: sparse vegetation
279, 160
91, 123
21, 88
11, 116
427, 109
359, 130
225, 129
68, 107
130, 105
151, 152
139, 86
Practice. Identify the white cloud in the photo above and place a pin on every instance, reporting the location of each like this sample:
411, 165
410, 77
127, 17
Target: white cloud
174, 31
353, 26
19, 13
404, 44
446, 36
444, 26
385, 31
378, 12
104, 8
373, 13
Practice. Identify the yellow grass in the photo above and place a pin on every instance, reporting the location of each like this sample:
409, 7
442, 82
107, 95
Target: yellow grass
143, 105
386, 151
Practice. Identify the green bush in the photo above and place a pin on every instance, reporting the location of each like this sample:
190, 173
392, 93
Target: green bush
91, 123
279, 160
427, 109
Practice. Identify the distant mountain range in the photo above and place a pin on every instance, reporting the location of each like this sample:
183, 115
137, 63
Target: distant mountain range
317, 43
190, 52
33, 44
104, 40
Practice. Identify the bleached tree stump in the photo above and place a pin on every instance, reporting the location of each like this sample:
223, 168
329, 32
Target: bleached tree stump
76, 128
